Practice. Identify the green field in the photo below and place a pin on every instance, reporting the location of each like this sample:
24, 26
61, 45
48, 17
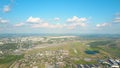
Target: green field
7, 60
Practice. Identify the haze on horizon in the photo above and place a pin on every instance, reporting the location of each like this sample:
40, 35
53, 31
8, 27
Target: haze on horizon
60, 16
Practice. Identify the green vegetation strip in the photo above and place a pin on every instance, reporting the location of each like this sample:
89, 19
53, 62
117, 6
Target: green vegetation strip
10, 58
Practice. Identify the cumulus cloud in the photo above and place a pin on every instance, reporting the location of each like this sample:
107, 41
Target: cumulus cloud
76, 22
117, 18
73, 23
6, 8
19, 24
46, 25
34, 20
39, 23
79, 24
76, 19
103, 25
3, 21
70, 26
56, 19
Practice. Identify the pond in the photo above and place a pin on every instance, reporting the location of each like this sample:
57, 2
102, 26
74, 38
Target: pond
93, 52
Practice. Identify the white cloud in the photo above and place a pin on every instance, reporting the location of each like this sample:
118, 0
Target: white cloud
6, 8
39, 23
76, 22
3, 21
56, 19
70, 26
103, 25
34, 20
81, 24
117, 20
19, 24
74, 25
76, 19
46, 25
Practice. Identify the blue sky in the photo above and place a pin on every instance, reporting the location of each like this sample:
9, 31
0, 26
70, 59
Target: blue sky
60, 16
